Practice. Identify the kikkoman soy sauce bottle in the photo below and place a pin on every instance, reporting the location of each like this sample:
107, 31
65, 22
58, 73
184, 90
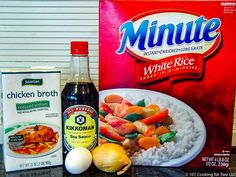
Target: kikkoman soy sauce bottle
79, 103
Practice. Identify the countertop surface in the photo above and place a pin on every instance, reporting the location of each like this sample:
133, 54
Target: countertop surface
134, 171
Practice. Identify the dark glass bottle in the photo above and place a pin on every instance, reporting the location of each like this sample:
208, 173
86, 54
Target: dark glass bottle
79, 103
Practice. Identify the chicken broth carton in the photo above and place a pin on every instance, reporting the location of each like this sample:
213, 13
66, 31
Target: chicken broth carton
31, 106
167, 80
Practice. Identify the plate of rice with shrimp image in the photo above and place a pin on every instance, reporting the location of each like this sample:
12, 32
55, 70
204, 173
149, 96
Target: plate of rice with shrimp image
155, 129
27, 140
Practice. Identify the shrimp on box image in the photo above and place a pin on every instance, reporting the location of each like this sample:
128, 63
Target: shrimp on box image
167, 81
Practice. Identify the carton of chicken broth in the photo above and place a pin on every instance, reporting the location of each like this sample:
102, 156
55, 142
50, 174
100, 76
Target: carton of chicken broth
31, 118
167, 80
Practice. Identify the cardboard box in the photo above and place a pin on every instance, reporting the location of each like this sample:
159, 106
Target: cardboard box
31, 103
168, 64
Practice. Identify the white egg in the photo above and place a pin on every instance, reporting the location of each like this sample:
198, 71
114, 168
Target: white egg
78, 160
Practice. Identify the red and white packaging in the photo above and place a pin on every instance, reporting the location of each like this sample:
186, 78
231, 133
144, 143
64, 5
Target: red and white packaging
168, 64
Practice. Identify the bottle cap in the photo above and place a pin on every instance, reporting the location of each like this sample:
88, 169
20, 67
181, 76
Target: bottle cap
79, 47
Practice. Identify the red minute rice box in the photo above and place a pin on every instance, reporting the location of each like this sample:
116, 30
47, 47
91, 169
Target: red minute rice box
167, 80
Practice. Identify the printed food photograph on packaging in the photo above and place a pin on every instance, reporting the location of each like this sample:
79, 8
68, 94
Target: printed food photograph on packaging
167, 81
154, 128
31, 140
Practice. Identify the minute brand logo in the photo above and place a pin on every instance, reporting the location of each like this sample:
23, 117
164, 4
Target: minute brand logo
159, 35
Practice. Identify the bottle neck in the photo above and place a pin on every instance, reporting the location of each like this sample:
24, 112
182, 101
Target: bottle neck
79, 69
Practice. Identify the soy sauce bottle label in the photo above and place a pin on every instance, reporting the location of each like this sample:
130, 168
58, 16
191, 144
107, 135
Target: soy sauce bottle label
80, 126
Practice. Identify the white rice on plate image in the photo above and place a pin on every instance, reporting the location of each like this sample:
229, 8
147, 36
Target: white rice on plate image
149, 139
